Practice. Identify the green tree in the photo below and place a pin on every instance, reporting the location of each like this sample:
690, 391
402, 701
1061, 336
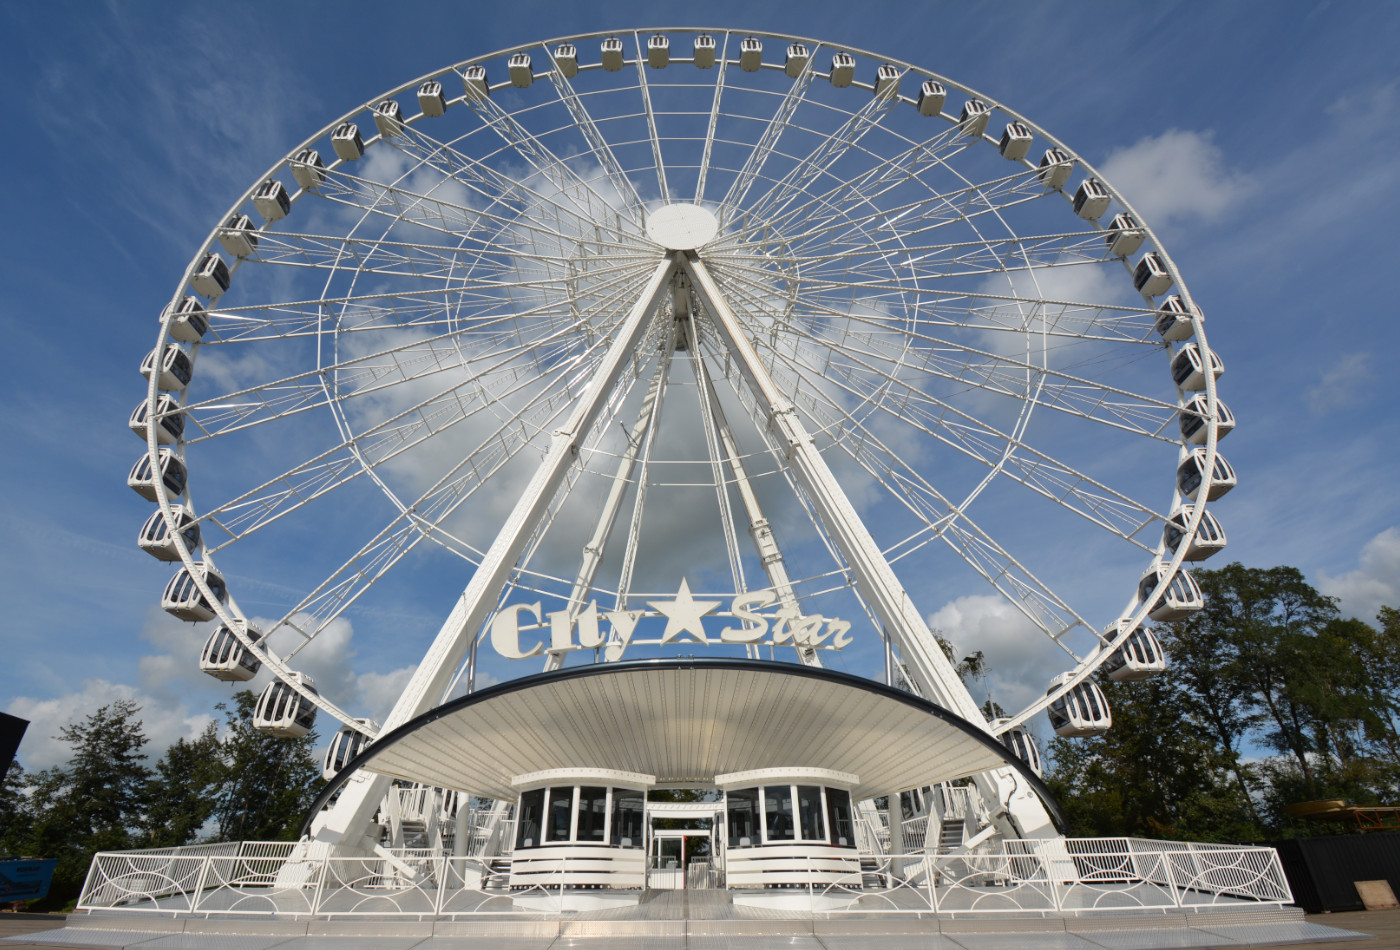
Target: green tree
15, 813
184, 790
94, 803
269, 783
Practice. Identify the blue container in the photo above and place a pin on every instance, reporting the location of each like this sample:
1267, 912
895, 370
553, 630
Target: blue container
26, 879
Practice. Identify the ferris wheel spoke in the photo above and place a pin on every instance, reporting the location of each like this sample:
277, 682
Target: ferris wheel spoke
515, 204
600, 148
999, 451
942, 519
858, 190
713, 123
550, 167
645, 89
819, 162
733, 199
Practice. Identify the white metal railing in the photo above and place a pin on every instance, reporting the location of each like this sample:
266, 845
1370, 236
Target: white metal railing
1068, 876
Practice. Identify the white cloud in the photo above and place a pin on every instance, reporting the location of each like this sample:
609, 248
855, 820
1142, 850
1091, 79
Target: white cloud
1014, 647
1374, 583
1345, 384
1176, 177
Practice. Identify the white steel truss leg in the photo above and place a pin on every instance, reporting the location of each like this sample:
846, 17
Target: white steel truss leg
1020, 813
349, 819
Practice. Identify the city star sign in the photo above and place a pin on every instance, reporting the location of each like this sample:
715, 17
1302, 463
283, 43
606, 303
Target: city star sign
759, 618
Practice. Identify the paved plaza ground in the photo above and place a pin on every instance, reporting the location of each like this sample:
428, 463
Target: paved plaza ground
1381, 927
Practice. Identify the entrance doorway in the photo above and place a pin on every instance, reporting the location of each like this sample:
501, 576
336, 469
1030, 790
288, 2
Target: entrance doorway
680, 858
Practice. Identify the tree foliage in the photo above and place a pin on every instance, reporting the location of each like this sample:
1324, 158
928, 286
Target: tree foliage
234, 783
1271, 698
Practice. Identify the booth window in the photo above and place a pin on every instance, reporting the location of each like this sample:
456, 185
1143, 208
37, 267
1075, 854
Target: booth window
592, 813
777, 802
561, 813
809, 809
627, 818
531, 813
742, 810
838, 812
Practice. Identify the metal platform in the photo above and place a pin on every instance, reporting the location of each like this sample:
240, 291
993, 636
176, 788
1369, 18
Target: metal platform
698, 920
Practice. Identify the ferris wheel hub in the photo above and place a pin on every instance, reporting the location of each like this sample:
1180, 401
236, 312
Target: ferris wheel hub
681, 227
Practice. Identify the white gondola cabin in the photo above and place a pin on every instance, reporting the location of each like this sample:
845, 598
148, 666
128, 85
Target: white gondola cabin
282, 711
211, 277
239, 235
843, 70
475, 84
431, 99
347, 141
1124, 237
1139, 658
1055, 168
566, 60
1091, 200
345, 745
705, 51
388, 118
520, 70
1193, 420
1188, 368
1181, 599
225, 658
1015, 141
272, 201
189, 322
750, 54
1019, 740
886, 82
173, 475
1208, 539
308, 169
1082, 711
1174, 320
170, 421
611, 52
658, 52
932, 95
798, 56
973, 119
1150, 277
170, 365
157, 540
184, 599
1190, 475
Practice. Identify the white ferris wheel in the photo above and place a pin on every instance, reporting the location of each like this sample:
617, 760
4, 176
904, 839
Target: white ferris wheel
765, 327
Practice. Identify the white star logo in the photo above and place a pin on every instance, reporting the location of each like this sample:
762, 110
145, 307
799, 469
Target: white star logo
683, 614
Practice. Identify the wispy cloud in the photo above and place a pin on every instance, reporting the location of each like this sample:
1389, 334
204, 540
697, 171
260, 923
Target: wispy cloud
1179, 177
1345, 384
1376, 580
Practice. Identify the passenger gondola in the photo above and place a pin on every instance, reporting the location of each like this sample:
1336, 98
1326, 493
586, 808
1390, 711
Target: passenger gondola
658, 52
750, 54
1138, 658
1190, 474
797, 58
170, 424
173, 476
1082, 711
520, 70
1022, 744
1055, 168
1188, 368
973, 119
283, 711
211, 277
1091, 200
1150, 277
1193, 420
189, 322
705, 51
886, 82
347, 743
1015, 141
566, 60
183, 597
272, 201
611, 52
1207, 541
843, 70
1174, 320
171, 366
932, 95
1182, 596
431, 100
347, 141
239, 235
308, 169
225, 658
1124, 237
157, 540
388, 118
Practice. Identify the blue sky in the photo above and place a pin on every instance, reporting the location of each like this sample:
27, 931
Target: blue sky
1259, 139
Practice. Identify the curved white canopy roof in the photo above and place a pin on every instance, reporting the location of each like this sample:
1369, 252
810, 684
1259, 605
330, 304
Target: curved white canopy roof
686, 721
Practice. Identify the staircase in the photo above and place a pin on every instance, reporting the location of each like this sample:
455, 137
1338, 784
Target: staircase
870, 877
497, 874
950, 837
414, 833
